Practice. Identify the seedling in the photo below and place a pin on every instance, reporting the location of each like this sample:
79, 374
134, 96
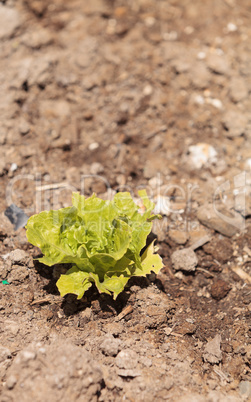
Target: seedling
105, 241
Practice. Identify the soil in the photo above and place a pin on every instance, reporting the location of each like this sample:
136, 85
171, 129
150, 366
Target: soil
101, 96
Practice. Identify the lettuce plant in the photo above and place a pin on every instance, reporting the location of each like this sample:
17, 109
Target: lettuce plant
103, 240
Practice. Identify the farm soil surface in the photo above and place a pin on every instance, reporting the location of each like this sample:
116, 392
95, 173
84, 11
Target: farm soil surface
101, 96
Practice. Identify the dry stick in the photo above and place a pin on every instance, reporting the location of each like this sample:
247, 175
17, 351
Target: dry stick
53, 186
242, 274
206, 271
199, 243
127, 310
40, 301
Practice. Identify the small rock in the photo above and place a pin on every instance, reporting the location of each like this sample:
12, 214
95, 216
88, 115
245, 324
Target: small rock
93, 146
200, 76
24, 127
126, 359
11, 327
218, 63
235, 123
11, 381
18, 257
13, 167
180, 66
110, 345
238, 89
220, 249
212, 352
156, 316
18, 274
215, 102
37, 39
10, 21
27, 355
178, 236
245, 389
186, 328
146, 361
85, 316
219, 220
231, 27
220, 289
201, 154
162, 205
96, 168
185, 260
114, 328
4, 354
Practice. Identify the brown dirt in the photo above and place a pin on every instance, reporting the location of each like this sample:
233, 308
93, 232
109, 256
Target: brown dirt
110, 95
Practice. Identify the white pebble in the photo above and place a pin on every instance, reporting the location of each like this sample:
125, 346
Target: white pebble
28, 355
231, 27
162, 205
199, 99
13, 167
150, 21
215, 102
202, 153
93, 146
148, 90
201, 55
189, 30
173, 35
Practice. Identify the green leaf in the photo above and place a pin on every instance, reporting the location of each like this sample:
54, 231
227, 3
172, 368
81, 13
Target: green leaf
74, 281
149, 262
114, 284
51, 232
102, 240
125, 204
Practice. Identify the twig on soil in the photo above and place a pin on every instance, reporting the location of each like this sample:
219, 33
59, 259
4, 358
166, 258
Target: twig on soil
126, 311
199, 243
52, 186
222, 375
40, 301
206, 272
242, 274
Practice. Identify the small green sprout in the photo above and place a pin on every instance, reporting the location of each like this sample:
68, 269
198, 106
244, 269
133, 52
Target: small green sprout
103, 240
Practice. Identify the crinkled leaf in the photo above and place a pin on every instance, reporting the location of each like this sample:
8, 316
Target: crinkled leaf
50, 232
114, 284
149, 262
102, 239
74, 281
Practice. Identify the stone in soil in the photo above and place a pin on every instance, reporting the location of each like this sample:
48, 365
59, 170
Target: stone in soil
212, 352
19, 257
59, 369
110, 345
10, 21
185, 260
220, 249
126, 359
220, 289
235, 123
178, 236
219, 220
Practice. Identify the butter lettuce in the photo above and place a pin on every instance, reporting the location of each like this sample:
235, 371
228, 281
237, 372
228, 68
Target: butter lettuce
103, 240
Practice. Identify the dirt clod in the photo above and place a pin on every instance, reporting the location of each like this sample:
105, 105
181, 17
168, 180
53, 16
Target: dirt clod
220, 289
212, 352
